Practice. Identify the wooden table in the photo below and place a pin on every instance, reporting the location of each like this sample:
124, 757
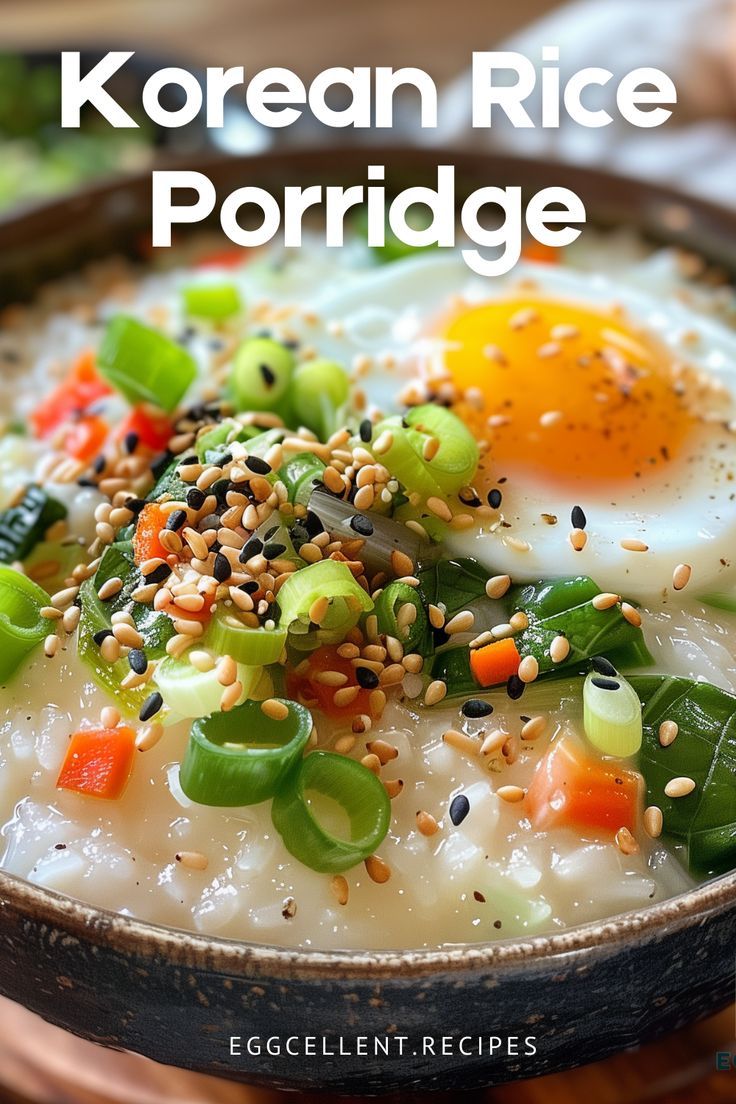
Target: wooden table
40, 1064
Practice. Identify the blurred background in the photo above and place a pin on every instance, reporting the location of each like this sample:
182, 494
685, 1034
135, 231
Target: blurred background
693, 40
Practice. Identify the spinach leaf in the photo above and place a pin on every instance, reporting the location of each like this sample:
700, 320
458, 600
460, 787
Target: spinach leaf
155, 628
455, 583
169, 484
24, 525
705, 750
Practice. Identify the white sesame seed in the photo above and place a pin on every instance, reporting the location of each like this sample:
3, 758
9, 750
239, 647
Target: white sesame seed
668, 733
436, 691
631, 614
605, 601
497, 586
193, 860
679, 787
511, 794
460, 623
680, 577
633, 545
559, 649
653, 821
625, 842
528, 669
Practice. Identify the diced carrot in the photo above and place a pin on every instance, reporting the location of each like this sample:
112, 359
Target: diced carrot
152, 427
146, 543
98, 762
199, 615
86, 437
495, 663
571, 788
542, 254
81, 388
307, 687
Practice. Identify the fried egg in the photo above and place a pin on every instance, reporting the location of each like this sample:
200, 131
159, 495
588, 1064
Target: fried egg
583, 392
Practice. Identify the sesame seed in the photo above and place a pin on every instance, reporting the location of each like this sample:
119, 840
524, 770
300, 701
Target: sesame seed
439, 508
474, 708
109, 589
461, 742
680, 577
603, 666
605, 683
533, 728
51, 645
202, 661
436, 691
631, 614
426, 823
518, 545
364, 498
519, 621
605, 601
559, 649
378, 871
493, 742
459, 809
110, 649
578, 518
632, 545
137, 660
578, 539
193, 860
401, 564
367, 678
383, 443
668, 733
436, 617
345, 696
149, 736
550, 418
64, 598
430, 449
366, 430
276, 710
514, 687
497, 586
339, 886
110, 717
625, 842
653, 821
151, 706
528, 669
511, 794
679, 787
460, 623
371, 763
495, 498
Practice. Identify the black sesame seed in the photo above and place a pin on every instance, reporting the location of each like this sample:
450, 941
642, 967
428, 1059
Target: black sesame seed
273, 550
270, 532
495, 498
366, 678
459, 809
269, 377
475, 708
313, 524
250, 587
137, 660
220, 490
253, 547
159, 574
191, 459
606, 683
59, 847
151, 706
257, 465
101, 636
136, 505
131, 442
99, 465
160, 463
222, 569
479, 897
515, 687
196, 498
578, 518
361, 524
603, 666
176, 519
85, 481
366, 430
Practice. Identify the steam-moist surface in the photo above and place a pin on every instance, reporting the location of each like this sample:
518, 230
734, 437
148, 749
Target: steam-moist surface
491, 876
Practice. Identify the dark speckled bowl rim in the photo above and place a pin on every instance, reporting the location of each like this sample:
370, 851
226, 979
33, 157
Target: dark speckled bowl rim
646, 208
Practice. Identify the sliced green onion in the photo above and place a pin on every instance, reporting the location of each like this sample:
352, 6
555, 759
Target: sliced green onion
389, 535
188, 692
330, 579
415, 637
24, 525
242, 757
612, 715
22, 628
451, 467
228, 636
299, 476
215, 301
145, 365
261, 374
456, 460
331, 788
223, 434
319, 391
720, 599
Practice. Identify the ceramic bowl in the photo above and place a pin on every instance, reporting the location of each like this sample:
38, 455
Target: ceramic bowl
181, 998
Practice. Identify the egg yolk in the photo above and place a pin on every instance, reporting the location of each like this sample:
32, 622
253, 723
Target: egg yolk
565, 392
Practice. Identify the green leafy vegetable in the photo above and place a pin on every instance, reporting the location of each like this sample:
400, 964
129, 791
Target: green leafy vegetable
705, 750
24, 525
145, 365
455, 584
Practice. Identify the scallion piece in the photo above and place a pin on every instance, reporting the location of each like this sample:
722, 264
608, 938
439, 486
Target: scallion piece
332, 813
188, 692
22, 628
24, 525
228, 636
261, 374
299, 476
144, 365
243, 757
452, 465
328, 579
391, 599
612, 715
319, 391
213, 301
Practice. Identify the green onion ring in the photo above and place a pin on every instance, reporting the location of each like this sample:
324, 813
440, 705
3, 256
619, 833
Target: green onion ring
352, 786
415, 637
242, 757
22, 628
228, 636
